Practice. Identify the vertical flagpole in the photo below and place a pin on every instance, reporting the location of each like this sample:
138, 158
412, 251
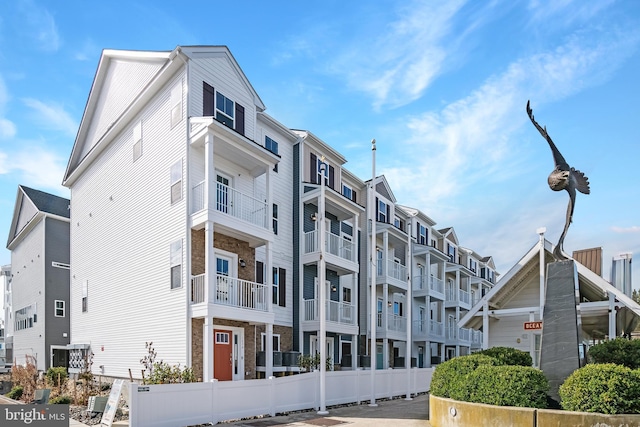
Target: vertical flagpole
374, 308
322, 291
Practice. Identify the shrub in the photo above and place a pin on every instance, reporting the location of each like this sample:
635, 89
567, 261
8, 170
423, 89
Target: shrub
509, 356
522, 386
450, 378
15, 393
63, 399
56, 376
26, 376
606, 388
620, 351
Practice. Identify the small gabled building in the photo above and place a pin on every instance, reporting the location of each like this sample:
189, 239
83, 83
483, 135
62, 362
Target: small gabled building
39, 245
519, 297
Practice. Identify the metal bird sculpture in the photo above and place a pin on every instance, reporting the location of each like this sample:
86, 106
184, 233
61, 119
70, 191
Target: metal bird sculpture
562, 177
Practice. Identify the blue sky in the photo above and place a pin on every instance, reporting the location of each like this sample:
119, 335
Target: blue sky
441, 85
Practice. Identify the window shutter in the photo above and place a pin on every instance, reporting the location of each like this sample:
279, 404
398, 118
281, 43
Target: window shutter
239, 119
208, 100
353, 196
388, 214
331, 176
377, 215
313, 168
259, 272
282, 288
418, 233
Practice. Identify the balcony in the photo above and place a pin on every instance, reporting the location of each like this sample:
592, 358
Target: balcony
458, 297
340, 316
334, 245
428, 286
396, 327
476, 339
232, 294
396, 274
420, 329
233, 203
436, 329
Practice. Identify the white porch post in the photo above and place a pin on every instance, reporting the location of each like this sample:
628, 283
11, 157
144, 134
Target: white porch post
612, 316
269, 326
322, 294
485, 325
541, 232
207, 350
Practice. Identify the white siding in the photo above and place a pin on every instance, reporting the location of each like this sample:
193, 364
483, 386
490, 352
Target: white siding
282, 195
122, 225
123, 82
509, 332
27, 261
219, 73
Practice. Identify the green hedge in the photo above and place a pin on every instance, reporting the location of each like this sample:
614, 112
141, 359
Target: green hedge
522, 386
620, 351
16, 392
450, 378
509, 356
605, 388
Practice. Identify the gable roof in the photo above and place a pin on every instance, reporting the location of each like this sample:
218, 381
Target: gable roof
383, 188
143, 73
591, 285
450, 234
31, 205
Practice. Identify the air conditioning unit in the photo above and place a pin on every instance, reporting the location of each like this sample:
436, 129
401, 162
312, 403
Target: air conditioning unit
97, 403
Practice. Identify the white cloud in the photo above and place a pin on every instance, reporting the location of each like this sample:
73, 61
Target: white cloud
35, 165
89, 51
52, 116
7, 127
632, 229
40, 26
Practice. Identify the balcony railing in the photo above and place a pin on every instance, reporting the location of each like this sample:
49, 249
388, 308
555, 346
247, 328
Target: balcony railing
464, 296
230, 291
476, 337
232, 202
395, 270
337, 312
436, 285
452, 333
421, 283
464, 334
420, 327
436, 328
394, 322
334, 244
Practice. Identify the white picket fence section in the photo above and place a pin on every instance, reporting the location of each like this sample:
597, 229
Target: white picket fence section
173, 405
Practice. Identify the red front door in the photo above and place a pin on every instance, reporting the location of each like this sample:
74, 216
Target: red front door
222, 355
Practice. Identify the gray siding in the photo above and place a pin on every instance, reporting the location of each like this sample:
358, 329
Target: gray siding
57, 284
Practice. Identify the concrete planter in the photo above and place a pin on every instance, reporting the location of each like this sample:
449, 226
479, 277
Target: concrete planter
449, 413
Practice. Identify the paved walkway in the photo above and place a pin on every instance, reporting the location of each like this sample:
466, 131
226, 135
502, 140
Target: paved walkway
397, 412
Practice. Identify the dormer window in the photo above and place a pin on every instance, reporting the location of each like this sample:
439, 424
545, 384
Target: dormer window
422, 234
451, 251
473, 265
382, 211
224, 110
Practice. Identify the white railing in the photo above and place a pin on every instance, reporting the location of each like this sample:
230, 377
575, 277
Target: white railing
436, 285
464, 296
396, 270
230, 291
169, 405
464, 334
476, 337
420, 327
197, 289
451, 332
232, 202
420, 283
337, 312
396, 323
451, 294
436, 328
334, 244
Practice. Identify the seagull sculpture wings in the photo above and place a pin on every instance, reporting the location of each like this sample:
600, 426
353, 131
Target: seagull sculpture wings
562, 177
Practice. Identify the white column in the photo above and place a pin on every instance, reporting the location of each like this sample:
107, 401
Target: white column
209, 173
268, 350
485, 325
207, 350
541, 232
322, 296
407, 359
612, 316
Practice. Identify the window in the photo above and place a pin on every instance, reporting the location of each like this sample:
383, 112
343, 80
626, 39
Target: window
451, 251
176, 182
279, 281
276, 342
85, 294
422, 234
275, 219
382, 211
176, 264
473, 265
176, 104
346, 295
224, 110
25, 318
347, 191
379, 261
137, 141
59, 308
270, 145
222, 338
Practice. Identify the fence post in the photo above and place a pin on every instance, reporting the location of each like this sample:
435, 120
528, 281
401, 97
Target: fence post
215, 413
134, 404
272, 396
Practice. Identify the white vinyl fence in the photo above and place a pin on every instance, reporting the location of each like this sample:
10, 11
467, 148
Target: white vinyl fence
175, 405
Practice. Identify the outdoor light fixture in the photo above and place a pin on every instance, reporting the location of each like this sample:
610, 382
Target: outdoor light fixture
314, 217
242, 263
333, 288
